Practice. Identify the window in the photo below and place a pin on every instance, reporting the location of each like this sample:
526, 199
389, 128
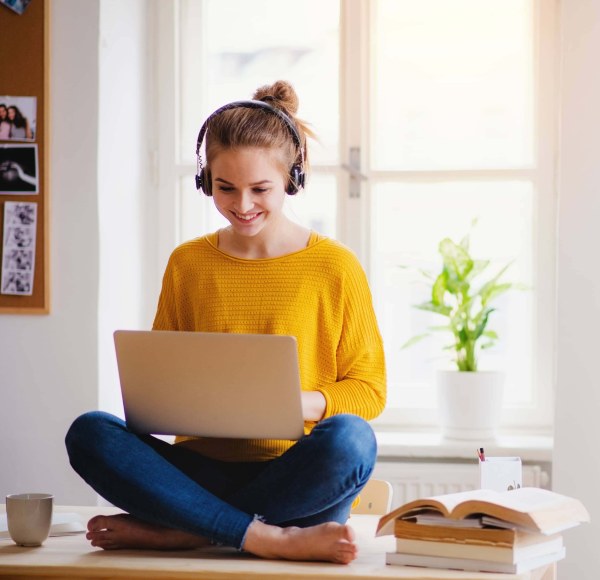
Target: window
430, 114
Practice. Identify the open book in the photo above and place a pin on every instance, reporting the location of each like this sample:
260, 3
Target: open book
531, 508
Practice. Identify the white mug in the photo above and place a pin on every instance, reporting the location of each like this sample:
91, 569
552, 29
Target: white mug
29, 517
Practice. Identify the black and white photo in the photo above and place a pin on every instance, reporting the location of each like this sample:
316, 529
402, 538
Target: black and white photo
18, 170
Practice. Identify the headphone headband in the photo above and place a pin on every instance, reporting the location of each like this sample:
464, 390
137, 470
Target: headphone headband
296, 172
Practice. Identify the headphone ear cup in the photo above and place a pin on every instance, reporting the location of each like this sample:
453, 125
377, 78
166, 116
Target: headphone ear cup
296, 181
203, 182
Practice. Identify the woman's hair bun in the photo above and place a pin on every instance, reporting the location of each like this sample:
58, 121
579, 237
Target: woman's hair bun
280, 94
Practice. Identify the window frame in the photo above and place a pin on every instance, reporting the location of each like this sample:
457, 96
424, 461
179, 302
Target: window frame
353, 212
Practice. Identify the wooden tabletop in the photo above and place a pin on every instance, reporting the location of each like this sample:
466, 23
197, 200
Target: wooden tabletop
73, 558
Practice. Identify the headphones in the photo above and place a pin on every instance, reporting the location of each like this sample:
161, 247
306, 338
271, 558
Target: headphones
296, 175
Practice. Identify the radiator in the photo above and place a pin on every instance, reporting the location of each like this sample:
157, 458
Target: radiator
413, 480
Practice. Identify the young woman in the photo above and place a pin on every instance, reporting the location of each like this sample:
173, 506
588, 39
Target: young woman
19, 128
261, 274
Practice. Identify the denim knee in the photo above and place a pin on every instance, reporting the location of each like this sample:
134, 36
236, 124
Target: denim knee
350, 439
86, 428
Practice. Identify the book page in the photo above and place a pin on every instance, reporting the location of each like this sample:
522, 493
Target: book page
529, 499
452, 500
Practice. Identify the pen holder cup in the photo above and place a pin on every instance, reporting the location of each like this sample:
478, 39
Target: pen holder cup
500, 473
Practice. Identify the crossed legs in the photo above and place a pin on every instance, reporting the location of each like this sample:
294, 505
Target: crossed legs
175, 498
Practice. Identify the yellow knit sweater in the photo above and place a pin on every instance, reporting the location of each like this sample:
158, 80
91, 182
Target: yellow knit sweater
319, 295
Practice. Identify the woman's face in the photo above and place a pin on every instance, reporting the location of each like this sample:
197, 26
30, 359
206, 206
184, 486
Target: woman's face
12, 113
248, 188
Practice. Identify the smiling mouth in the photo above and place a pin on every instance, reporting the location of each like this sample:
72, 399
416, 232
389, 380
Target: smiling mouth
248, 218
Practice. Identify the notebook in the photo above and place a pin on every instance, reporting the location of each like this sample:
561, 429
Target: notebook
210, 384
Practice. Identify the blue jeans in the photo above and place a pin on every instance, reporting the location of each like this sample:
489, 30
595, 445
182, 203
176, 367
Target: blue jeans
315, 481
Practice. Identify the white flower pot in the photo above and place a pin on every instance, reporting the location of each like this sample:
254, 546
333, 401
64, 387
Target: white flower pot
469, 404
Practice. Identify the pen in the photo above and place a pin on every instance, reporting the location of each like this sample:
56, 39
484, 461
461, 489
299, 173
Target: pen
481, 454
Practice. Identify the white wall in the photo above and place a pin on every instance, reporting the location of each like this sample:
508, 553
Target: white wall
55, 367
577, 430
49, 368
125, 198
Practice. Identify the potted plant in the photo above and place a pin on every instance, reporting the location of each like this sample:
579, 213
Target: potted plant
469, 400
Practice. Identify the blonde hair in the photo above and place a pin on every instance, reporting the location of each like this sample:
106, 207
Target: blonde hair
248, 127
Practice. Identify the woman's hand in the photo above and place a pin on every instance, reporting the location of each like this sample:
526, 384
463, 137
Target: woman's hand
313, 405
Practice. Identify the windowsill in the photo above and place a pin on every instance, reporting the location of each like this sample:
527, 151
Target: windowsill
428, 445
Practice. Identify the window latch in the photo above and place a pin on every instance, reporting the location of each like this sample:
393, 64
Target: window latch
353, 168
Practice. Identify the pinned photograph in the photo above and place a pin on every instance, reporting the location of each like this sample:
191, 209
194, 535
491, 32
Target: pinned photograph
19, 238
18, 169
18, 254
18, 6
18, 118
19, 260
17, 283
20, 214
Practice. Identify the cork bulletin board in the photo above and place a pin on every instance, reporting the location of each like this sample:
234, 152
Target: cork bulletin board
24, 155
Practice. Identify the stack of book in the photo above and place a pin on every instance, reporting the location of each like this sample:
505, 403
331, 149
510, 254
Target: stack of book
483, 530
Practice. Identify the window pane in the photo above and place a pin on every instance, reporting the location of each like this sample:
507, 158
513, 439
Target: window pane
453, 85
408, 222
197, 213
231, 47
315, 207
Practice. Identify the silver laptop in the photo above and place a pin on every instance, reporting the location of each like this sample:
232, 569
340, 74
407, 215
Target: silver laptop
210, 384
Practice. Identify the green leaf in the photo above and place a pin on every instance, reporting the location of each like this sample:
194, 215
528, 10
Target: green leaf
483, 323
437, 308
440, 328
455, 285
438, 290
495, 291
491, 334
486, 291
457, 261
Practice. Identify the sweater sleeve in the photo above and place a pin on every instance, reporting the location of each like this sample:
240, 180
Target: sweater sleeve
360, 388
166, 311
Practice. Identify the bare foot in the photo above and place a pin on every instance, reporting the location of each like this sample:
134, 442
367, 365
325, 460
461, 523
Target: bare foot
125, 531
330, 542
